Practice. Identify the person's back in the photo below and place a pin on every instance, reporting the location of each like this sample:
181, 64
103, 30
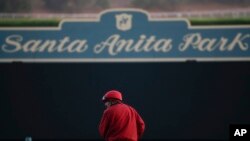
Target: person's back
121, 122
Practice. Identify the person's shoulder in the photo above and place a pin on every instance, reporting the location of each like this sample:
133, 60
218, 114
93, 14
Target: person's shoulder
125, 105
112, 108
108, 112
118, 108
129, 107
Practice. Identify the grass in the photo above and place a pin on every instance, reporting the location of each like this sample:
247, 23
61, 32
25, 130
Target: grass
55, 22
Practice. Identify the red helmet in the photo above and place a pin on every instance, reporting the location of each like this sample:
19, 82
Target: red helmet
113, 94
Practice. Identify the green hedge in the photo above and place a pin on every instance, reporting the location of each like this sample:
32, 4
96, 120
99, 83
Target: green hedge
220, 21
55, 22
29, 22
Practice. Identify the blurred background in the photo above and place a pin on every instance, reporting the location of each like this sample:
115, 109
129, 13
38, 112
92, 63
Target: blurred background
178, 100
173, 8
81, 6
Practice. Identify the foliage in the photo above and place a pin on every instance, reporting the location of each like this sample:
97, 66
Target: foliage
160, 4
51, 5
73, 5
171, 4
55, 22
29, 22
15, 5
221, 21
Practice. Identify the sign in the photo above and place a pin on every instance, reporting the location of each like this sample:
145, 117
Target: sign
239, 132
125, 35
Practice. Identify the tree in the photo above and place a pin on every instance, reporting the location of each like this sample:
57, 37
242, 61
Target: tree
155, 4
74, 5
14, 6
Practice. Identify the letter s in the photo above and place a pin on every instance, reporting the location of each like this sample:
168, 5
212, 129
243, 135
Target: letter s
12, 44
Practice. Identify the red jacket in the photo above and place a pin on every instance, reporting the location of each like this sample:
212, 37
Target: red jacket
121, 122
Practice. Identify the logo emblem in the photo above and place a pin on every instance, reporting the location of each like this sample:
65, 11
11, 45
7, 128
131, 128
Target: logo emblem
123, 22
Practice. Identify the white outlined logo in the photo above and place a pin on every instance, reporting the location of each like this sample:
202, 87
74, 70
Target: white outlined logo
123, 22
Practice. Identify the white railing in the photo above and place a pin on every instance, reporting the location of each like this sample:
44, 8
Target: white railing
45, 16
186, 14
205, 14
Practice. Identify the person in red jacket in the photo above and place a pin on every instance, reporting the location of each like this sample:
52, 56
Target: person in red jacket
120, 122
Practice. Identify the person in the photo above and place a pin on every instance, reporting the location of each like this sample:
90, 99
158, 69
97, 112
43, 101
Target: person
120, 122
